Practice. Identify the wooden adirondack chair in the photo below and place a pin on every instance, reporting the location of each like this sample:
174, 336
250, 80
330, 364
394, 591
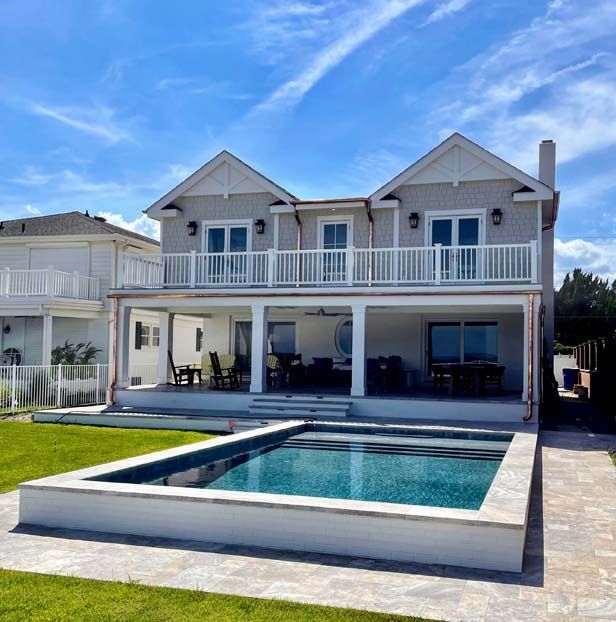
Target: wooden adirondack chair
223, 378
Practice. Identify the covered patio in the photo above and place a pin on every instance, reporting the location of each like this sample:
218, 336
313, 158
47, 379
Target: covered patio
390, 348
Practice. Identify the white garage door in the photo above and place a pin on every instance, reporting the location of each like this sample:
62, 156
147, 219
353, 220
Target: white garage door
65, 259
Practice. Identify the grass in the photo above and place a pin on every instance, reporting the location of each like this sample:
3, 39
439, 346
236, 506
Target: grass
30, 451
39, 598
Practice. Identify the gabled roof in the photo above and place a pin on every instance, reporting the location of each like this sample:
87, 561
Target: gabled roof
223, 186
479, 157
70, 223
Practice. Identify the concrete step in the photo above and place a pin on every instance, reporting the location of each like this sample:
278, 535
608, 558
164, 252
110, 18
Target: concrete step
299, 406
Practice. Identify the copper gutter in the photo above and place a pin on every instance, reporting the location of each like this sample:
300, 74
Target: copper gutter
270, 294
531, 355
298, 245
114, 354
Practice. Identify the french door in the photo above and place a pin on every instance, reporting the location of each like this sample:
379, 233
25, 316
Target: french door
335, 239
223, 247
457, 231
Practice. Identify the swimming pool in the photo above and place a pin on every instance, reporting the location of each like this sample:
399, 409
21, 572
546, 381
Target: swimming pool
429, 494
437, 468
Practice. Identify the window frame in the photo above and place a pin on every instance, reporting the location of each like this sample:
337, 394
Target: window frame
348, 220
227, 224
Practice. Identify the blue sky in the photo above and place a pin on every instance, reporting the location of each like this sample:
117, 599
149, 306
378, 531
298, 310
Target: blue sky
106, 105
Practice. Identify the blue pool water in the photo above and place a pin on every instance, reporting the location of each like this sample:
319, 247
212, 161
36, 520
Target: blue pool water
422, 469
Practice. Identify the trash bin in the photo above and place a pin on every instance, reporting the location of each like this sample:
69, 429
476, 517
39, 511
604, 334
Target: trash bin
570, 377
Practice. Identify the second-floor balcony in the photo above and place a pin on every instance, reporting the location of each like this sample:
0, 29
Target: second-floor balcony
434, 265
49, 283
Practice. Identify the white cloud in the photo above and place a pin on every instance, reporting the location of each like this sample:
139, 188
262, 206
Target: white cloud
97, 121
143, 224
598, 258
356, 28
35, 211
32, 177
447, 9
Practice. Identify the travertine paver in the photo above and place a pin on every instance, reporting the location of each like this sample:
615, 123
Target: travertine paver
569, 574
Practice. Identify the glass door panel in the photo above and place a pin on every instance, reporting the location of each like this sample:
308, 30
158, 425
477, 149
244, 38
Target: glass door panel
480, 342
237, 266
215, 245
444, 343
243, 345
442, 233
335, 239
466, 258
221, 266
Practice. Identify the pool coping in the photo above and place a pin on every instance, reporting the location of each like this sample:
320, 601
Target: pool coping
505, 506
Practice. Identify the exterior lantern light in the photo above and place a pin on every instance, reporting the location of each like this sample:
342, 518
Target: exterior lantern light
260, 225
413, 220
192, 227
497, 216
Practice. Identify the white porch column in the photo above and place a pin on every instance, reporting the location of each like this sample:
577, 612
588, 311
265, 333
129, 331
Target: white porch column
525, 355
123, 346
165, 345
358, 385
259, 349
47, 339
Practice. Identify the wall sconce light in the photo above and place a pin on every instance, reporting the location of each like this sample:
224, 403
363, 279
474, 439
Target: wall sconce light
497, 216
260, 225
6, 330
413, 220
192, 227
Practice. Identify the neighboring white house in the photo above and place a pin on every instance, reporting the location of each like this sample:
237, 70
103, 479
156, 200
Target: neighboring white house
55, 274
450, 261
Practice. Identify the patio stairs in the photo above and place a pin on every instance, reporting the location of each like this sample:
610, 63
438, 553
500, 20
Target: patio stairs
300, 406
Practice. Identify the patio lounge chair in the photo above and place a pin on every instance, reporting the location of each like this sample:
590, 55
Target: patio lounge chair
184, 373
223, 378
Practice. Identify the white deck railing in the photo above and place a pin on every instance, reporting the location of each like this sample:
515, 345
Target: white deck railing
433, 265
30, 387
48, 282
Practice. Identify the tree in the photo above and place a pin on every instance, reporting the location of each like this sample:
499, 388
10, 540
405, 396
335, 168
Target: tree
584, 308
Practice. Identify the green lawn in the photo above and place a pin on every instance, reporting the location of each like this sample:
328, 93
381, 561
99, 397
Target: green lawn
36, 598
30, 451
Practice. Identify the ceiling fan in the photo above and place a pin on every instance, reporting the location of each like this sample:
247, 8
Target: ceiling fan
322, 313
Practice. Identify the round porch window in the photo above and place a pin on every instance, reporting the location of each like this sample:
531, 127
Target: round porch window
344, 338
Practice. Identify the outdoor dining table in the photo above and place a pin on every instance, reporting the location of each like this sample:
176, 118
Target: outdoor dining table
455, 371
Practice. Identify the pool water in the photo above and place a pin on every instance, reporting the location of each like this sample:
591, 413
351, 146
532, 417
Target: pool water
422, 469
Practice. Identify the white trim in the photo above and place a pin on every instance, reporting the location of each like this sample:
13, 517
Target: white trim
396, 228
439, 214
541, 190
155, 210
540, 240
386, 204
337, 348
276, 231
347, 219
227, 223
59, 239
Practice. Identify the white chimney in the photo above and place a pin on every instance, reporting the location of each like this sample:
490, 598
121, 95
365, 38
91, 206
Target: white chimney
547, 163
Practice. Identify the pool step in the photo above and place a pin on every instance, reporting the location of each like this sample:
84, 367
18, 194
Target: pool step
299, 406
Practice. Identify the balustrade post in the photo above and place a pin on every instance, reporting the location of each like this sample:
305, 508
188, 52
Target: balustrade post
534, 256
271, 266
59, 388
193, 268
13, 388
438, 258
50, 281
98, 382
75, 284
350, 264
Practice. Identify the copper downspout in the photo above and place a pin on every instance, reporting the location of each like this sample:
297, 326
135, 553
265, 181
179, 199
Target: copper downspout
370, 238
531, 355
298, 246
114, 354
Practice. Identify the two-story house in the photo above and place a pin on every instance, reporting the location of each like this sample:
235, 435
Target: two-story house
428, 298
55, 274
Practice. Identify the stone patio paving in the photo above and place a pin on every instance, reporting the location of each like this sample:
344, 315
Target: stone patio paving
569, 573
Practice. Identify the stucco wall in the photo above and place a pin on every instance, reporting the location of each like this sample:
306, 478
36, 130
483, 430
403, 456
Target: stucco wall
174, 235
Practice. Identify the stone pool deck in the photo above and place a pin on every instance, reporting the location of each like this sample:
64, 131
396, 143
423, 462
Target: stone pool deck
569, 571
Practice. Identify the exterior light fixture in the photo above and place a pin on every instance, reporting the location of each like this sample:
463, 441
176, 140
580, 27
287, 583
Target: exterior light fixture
413, 220
7, 329
192, 227
260, 225
497, 216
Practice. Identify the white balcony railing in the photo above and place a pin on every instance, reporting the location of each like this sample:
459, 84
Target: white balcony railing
48, 282
434, 265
